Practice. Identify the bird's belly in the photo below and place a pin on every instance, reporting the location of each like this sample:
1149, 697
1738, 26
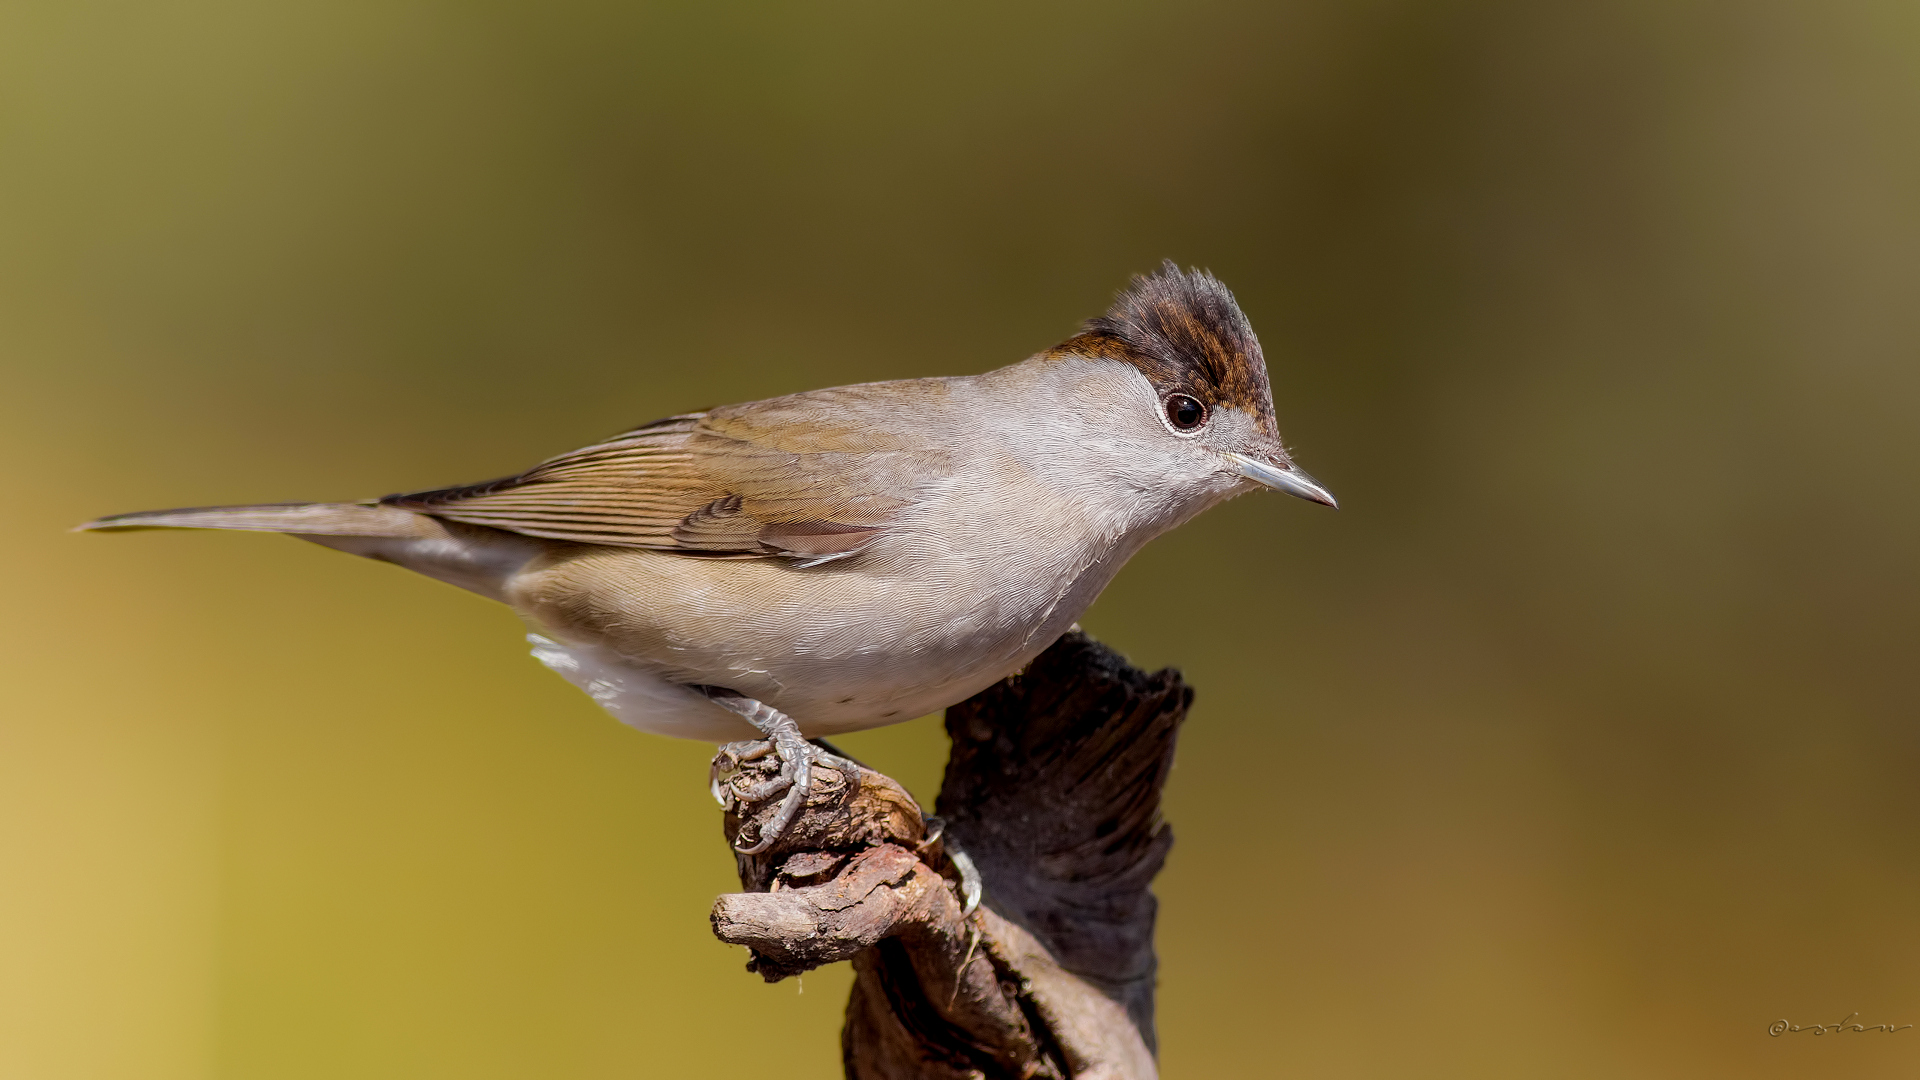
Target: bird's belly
836, 652
636, 696
641, 696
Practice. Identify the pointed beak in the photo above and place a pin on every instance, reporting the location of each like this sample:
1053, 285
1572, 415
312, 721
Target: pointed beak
1283, 478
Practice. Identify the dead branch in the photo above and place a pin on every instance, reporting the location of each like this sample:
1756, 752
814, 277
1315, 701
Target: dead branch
1053, 791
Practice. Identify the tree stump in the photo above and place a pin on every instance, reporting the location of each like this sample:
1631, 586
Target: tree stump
1052, 793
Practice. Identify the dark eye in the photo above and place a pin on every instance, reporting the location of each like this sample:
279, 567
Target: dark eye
1185, 413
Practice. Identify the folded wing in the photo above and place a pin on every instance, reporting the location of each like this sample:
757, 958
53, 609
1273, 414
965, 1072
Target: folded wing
727, 483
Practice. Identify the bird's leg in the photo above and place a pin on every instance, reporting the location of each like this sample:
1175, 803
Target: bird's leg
783, 739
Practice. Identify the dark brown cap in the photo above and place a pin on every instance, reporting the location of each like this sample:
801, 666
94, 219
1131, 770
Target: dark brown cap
1187, 335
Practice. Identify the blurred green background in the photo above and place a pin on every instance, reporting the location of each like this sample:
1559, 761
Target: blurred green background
1581, 743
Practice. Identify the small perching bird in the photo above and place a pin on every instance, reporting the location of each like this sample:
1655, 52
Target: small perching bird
847, 558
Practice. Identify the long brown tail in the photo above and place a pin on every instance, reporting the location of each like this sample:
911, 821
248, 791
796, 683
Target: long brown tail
313, 519
472, 557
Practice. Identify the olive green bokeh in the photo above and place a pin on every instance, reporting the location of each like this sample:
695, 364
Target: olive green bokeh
1580, 743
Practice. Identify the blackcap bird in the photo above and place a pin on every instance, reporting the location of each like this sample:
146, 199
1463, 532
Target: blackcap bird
848, 558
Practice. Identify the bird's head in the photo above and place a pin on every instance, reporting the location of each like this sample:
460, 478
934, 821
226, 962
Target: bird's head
1210, 406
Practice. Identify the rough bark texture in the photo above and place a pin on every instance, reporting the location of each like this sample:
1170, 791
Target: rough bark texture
1053, 790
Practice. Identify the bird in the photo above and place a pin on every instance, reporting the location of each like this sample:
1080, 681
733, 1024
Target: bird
768, 574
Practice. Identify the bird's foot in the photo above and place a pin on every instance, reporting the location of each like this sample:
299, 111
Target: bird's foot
783, 740
971, 886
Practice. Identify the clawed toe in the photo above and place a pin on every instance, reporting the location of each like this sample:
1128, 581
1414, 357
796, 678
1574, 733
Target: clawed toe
796, 778
797, 761
726, 768
797, 758
749, 750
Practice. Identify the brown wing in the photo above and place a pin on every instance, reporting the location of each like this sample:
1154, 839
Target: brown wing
716, 484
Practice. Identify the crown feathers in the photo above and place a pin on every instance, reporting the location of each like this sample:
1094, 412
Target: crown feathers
1185, 332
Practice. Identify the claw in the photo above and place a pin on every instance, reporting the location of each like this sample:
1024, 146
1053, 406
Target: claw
972, 888
783, 739
720, 775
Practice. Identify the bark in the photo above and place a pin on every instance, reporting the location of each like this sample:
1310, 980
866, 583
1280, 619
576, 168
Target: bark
1052, 791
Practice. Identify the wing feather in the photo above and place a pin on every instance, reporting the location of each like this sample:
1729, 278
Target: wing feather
713, 484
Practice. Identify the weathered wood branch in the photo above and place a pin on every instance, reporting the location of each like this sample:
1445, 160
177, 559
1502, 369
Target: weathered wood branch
1053, 791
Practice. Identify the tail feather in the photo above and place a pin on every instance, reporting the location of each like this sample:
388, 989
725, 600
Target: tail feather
472, 557
313, 519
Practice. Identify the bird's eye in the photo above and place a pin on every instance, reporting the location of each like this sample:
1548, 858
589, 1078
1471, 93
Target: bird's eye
1184, 413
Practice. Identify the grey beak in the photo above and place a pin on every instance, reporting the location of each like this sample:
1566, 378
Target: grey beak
1294, 482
